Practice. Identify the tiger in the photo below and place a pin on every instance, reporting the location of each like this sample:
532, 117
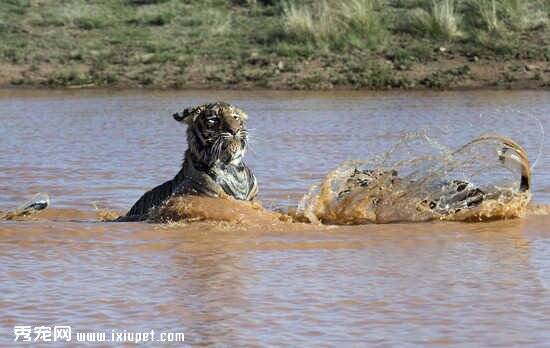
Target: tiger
213, 163
454, 195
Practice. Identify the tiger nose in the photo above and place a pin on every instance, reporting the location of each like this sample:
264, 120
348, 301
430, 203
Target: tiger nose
234, 131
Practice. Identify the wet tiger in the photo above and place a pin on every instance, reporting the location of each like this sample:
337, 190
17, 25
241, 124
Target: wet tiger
213, 164
455, 195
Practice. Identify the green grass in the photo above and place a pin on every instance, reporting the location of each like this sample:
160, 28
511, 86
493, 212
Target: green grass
488, 14
247, 43
334, 24
441, 22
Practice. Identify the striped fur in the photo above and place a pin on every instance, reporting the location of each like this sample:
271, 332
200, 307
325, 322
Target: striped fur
213, 164
151, 198
456, 194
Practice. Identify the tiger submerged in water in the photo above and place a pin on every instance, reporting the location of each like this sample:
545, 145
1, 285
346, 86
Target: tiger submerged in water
213, 165
449, 197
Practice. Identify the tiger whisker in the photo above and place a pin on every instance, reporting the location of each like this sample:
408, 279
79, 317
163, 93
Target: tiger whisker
218, 148
214, 150
250, 148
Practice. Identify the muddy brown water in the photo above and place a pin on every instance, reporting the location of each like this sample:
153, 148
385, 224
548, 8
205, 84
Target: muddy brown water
263, 282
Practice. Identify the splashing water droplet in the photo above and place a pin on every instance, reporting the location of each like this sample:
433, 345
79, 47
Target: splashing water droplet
421, 180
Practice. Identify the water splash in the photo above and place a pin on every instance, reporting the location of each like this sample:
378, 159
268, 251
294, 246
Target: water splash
38, 202
419, 179
187, 209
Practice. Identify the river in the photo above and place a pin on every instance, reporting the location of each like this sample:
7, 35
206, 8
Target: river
264, 284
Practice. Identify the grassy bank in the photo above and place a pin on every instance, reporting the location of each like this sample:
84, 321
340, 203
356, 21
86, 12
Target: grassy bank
276, 44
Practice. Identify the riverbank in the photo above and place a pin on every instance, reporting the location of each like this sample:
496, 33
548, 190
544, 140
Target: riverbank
354, 44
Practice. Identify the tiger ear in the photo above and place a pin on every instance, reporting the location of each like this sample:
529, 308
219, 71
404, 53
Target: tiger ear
188, 115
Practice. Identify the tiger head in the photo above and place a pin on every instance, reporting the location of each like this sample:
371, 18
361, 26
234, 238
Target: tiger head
215, 132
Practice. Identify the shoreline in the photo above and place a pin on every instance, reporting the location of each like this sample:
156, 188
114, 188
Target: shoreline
448, 75
30, 88
119, 88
